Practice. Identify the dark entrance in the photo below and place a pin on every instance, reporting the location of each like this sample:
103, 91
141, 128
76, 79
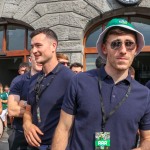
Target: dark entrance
141, 65
9, 69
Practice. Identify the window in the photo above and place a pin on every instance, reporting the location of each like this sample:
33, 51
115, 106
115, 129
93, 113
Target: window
90, 61
29, 40
92, 38
1, 37
15, 36
142, 25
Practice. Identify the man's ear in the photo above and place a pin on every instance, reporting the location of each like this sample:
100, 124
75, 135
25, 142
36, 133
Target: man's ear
54, 44
104, 49
29, 59
136, 51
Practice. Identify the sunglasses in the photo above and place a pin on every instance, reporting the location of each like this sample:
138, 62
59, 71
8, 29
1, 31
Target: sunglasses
116, 44
65, 63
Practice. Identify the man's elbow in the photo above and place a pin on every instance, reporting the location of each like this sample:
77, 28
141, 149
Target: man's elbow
10, 113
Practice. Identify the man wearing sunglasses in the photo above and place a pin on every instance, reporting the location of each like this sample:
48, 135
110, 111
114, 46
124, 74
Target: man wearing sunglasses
104, 108
63, 59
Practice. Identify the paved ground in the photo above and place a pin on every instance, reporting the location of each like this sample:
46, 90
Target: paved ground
4, 140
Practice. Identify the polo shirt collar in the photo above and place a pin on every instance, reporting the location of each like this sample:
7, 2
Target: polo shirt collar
28, 74
104, 75
54, 71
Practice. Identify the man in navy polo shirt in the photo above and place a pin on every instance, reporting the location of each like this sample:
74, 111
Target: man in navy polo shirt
17, 103
46, 91
104, 108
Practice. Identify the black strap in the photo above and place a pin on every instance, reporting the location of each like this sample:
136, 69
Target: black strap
104, 117
38, 89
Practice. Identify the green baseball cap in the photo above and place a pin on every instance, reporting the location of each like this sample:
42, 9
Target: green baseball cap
119, 22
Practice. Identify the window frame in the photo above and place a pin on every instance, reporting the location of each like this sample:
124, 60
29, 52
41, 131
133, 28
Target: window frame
15, 53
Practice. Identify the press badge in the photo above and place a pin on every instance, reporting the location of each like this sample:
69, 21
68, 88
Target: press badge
102, 141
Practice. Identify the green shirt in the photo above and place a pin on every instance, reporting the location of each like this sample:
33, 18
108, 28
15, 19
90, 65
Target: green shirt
4, 96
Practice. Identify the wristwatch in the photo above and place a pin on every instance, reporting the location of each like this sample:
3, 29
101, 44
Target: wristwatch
129, 2
25, 103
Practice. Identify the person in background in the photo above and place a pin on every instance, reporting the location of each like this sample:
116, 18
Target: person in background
1, 108
63, 59
23, 67
104, 108
17, 101
76, 67
7, 90
46, 91
4, 98
1, 88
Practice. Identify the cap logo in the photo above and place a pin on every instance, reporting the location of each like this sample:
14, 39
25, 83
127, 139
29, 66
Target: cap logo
123, 22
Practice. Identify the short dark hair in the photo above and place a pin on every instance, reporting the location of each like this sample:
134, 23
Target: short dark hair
48, 32
23, 64
118, 31
76, 64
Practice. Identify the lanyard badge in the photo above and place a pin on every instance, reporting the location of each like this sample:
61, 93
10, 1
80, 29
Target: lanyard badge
102, 141
38, 114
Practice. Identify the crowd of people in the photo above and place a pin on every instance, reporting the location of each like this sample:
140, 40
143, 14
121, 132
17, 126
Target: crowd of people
54, 106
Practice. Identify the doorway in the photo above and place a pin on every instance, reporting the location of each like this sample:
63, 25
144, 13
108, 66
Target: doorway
9, 69
142, 67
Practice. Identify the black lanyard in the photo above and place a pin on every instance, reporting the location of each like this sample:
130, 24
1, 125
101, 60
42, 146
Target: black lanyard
39, 90
104, 117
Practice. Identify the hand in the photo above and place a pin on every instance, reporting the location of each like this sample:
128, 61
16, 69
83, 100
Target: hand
32, 134
22, 103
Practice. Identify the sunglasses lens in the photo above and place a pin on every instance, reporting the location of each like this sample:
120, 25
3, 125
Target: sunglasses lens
65, 63
116, 44
130, 45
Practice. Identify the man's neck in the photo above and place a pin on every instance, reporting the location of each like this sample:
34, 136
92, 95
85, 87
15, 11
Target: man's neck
33, 72
49, 66
117, 75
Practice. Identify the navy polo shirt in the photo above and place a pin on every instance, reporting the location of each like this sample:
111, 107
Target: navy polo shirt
148, 84
50, 101
19, 86
83, 101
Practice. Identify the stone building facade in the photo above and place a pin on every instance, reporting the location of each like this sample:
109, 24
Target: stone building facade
72, 20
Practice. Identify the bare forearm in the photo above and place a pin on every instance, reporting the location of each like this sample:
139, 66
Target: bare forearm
144, 145
14, 107
27, 117
16, 111
60, 140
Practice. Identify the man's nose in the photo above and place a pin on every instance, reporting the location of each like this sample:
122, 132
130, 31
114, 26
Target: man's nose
34, 49
123, 48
